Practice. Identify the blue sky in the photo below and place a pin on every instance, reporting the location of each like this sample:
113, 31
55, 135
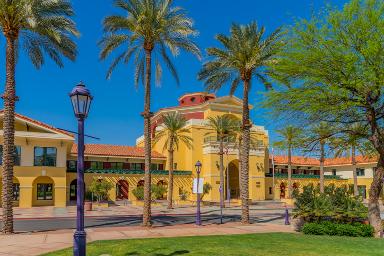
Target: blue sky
115, 113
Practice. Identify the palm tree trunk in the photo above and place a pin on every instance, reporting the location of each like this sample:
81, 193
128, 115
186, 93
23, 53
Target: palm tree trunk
355, 188
147, 141
221, 153
9, 98
244, 189
322, 156
170, 174
289, 172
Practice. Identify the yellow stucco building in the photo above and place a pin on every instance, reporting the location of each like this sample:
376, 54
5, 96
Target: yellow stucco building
45, 161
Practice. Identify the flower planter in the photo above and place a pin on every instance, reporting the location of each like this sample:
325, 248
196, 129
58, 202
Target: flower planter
88, 206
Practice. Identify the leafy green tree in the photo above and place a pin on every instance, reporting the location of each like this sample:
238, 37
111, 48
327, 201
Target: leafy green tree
291, 138
173, 133
147, 29
350, 143
244, 55
224, 128
333, 66
40, 27
100, 189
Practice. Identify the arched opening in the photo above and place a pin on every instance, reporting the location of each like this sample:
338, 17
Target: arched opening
122, 189
232, 183
164, 184
140, 183
73, 190
43, 191
282, 190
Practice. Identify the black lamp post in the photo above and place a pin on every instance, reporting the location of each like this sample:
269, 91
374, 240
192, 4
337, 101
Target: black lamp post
81, 101
198, 214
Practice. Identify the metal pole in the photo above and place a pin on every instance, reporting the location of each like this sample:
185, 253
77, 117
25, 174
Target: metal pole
80, 235
286, 221
221, 206
273, 176
228, 188
198, 217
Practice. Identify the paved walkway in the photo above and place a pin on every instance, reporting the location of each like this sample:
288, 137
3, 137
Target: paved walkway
119, 210
39, 243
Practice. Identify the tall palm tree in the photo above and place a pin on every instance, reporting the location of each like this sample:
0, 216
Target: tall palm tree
173, 131
290, 139
351, 142
321, 135
41, 27
244, 55
148, 28
224, 128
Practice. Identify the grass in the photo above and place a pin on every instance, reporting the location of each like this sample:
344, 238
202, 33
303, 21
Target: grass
251, 244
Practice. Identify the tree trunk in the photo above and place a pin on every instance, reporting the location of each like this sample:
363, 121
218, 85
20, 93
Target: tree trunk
244, 188
170, 174
221, 154
147, 141
322, 157
289, 172
374, 194
9, 98
355, 188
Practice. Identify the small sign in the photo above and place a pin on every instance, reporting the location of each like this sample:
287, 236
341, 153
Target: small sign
201, 184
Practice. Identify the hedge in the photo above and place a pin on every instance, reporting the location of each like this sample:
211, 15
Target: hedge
336, 229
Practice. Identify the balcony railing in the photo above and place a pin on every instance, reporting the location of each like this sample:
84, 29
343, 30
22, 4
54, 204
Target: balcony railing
133, 172
304, 176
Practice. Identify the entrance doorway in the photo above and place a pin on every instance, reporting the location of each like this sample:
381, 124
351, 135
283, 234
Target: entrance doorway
73, 190
122, 189
233, 182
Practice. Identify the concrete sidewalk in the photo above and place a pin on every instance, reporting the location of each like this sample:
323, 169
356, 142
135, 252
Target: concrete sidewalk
39, 243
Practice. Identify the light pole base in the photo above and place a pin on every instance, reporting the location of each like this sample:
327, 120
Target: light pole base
79, 243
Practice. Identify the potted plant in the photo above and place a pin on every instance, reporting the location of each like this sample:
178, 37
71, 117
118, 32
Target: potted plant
88, 201
100, 189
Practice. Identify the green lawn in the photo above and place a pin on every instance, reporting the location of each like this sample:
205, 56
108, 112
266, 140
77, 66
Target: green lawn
253, 244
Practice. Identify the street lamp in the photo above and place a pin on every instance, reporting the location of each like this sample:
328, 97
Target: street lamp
81, 101
198, 214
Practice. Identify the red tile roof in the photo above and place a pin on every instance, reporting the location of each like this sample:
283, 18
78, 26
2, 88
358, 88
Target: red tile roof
310, 161
114, 150
38, 123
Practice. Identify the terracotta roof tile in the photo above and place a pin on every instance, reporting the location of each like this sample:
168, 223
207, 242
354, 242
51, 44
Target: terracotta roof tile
28, 119
311, 161
114, 150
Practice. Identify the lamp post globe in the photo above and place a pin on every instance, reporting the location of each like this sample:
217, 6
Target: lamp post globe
81, 99
198, 214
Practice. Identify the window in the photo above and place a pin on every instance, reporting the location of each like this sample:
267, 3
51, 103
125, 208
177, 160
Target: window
270, 190
360, 172
154, 167
16, 155
45, 156
174, 166
333, 171
16, 191
44, 191
137, 166
96, 165
72, 165
117, 166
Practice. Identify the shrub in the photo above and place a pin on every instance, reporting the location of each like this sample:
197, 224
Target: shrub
206, 188
100, 189
183, 194
338, 229
335, 204
157, 192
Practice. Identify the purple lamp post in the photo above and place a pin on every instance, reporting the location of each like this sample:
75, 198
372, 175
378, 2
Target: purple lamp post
198, 214
81, 101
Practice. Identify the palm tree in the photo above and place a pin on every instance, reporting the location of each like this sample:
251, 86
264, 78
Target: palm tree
245, 55
147, 28
290, 139
173, 131
40, 27
351, 142
224, 128
321, 135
